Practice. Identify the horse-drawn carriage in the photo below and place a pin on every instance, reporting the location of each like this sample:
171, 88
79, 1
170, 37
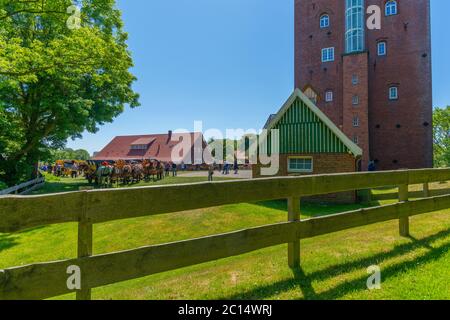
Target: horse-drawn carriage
65, 168
108, 173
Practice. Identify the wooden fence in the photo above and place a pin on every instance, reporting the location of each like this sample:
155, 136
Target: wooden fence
49, 279
24, 188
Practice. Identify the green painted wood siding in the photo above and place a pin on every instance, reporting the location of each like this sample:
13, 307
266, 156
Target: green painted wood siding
301, 131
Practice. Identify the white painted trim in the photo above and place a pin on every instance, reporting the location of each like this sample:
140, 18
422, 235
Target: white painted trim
354, 149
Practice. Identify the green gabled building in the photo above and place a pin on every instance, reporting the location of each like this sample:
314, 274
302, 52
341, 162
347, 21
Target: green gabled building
309, 142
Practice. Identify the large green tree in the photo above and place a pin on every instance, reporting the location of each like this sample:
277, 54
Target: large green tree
58, 77
441, 123
69, 154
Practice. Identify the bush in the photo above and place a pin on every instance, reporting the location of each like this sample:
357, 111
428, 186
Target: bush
3, 185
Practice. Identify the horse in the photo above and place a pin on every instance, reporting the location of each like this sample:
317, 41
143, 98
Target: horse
89, 170
126, 171
104, 175
149, 169
137, 171
160, 168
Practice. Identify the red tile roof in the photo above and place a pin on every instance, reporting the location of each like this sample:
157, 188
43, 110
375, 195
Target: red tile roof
160, 147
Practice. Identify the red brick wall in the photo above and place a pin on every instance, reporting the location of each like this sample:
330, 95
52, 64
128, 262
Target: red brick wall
357, 64
408, 64
309, 41
411, 144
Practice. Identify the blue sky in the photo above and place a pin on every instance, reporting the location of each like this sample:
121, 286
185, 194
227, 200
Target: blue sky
228, 63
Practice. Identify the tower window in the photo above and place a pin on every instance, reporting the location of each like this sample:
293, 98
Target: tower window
391, 8
356, 121
393, 93
329, 96
382, 48
328, 54
324, 21
355, 100
354, 26
355, 79
355, 139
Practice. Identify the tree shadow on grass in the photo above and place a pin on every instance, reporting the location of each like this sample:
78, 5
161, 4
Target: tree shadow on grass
303, 281
412, 194
7, 241
58, 187
314, 209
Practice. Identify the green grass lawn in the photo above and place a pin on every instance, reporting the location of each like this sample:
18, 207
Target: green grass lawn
333, 266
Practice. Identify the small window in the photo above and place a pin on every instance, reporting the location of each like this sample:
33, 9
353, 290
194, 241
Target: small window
139, 147
324, 21
328, 54
382, 48
355, 100
356, 121
355, 139
300, 164
329, 96
355, 79
393, 93
391, 8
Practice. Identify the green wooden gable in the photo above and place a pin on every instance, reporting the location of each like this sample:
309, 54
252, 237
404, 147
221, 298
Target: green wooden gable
303, 128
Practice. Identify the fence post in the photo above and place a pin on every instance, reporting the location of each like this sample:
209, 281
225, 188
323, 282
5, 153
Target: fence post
84, 247
404, 221
294, 247
426, 190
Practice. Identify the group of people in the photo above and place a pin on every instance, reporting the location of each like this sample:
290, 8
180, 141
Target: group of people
226, 168
62, 169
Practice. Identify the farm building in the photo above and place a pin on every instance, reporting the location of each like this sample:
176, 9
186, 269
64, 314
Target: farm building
169, 147
309, 142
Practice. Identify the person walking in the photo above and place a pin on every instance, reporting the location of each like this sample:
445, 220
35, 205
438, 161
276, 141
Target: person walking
174, 169
236, 166
167, 169
74, 172
371, 166
210, 172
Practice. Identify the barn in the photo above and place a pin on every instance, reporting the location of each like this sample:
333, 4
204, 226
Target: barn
310, 143
179, 148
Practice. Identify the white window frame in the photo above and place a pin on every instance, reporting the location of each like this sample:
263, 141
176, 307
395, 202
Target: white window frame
355, 79
356, 121
382, 44
328, 54
355, 139
393, 89
329, 96
391, 8
355, 100
311, 170
324, 21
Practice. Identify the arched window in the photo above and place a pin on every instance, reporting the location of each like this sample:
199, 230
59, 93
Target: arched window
382, 48
324, 21
391, 8
393, 93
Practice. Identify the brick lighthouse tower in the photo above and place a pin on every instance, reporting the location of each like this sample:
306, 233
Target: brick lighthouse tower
375, 85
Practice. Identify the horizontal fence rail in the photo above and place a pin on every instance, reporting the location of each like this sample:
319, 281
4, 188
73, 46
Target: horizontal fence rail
45, 280
25, 187
115, 204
